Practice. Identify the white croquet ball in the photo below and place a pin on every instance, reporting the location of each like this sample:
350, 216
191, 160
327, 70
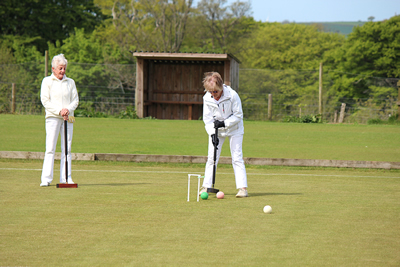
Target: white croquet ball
267, 209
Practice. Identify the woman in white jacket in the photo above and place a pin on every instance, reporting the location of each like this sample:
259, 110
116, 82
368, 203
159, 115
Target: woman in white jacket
59, 98
223, 110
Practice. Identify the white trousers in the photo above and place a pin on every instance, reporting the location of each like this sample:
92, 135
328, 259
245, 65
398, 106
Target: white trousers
54, 127
239, 169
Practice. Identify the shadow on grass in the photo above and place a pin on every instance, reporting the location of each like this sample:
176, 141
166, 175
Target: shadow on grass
269, 194
273, 194
115, 184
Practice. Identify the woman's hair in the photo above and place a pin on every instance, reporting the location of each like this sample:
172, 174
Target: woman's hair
212, 81
59, 60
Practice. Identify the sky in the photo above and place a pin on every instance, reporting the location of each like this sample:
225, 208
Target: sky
322, 10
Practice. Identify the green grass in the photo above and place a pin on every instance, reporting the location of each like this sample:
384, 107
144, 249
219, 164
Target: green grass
166, 137
127, 214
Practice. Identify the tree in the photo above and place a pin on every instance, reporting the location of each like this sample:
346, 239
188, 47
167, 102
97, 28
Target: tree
226, 25
371, 50
8, 74
88, 58
287, 57
19, 64
48, 20
150, 25
288, 46
171, 19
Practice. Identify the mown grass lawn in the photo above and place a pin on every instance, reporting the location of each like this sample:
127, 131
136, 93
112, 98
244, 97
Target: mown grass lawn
174, 137
130, 214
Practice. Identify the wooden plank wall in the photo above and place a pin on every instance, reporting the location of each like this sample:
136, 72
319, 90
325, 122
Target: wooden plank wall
174, 88
234, 75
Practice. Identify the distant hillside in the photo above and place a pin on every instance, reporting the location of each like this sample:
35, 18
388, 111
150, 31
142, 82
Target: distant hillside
339, 27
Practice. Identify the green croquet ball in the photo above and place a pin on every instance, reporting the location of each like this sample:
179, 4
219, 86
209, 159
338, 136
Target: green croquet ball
204, 195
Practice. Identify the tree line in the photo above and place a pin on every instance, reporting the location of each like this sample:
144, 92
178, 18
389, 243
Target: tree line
107, 31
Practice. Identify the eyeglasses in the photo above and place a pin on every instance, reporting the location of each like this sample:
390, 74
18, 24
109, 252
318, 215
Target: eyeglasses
213, 92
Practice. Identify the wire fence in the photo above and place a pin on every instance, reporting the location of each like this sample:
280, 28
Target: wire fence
105, 89
295, 93
108, 90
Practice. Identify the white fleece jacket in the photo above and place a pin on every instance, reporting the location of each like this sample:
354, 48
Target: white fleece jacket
56, 95
228, 110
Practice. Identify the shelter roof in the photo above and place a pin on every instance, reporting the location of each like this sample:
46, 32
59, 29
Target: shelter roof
184, 56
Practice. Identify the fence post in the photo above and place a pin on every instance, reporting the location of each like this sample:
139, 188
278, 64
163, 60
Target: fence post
342, 111
398, 102
335, 117
269, 107
13, 98
190, 108
139, 105
46, 63
320, 90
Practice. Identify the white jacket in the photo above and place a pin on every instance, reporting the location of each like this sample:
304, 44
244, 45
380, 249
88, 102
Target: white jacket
56, 95
228, 110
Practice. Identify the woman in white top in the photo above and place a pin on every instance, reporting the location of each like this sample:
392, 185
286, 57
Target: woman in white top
223, 110
59, 98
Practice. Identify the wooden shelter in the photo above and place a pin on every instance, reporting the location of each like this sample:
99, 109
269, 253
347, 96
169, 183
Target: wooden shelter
169, 85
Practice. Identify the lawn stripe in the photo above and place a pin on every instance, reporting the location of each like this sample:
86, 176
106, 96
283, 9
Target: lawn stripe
267, 174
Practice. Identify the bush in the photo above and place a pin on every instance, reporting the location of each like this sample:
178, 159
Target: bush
128, 113
392, 120
303, 119
375, 121
85, 109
